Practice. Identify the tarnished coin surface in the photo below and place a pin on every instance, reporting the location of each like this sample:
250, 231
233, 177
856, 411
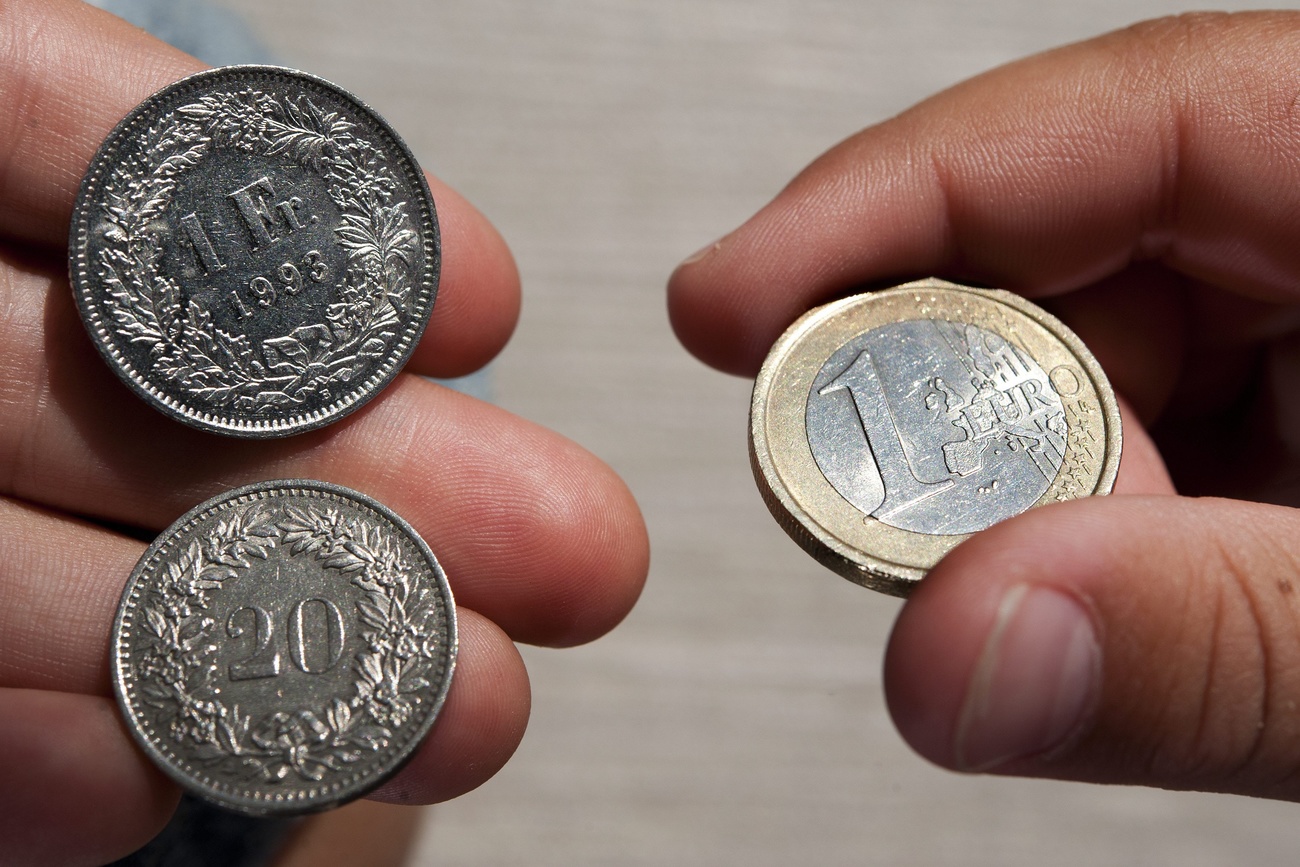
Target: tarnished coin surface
254, 251
887, 427
284, 647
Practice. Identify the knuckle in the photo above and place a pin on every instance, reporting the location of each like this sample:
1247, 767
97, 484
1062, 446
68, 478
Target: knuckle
1227, 716
1209, 62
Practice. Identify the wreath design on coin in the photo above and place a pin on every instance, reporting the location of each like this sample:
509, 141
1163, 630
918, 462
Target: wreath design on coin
398, 618
185, 347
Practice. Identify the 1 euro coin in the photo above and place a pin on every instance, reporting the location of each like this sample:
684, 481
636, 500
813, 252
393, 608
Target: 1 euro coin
887, 427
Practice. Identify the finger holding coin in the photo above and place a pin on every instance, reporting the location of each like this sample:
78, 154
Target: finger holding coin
254, 251
555, 555
59, 579
63, 720
1131, 639
74, 91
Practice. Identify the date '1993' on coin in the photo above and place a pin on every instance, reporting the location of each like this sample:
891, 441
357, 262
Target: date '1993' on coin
887, 427
254, 251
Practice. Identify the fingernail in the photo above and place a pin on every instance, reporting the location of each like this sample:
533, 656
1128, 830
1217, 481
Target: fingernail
1036, 682
701, 254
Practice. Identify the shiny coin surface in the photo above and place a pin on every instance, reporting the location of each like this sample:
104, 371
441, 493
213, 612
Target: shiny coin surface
887, 427
254, 251
284, 647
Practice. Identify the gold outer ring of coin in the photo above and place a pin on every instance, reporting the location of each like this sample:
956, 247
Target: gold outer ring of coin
864, 549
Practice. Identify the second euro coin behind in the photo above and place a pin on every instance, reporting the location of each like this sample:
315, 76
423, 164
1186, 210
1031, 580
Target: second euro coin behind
254, 251
888, 427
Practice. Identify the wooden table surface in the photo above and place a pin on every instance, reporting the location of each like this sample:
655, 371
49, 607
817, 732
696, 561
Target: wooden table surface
736, 717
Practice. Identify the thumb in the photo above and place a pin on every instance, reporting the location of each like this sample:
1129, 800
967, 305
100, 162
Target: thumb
1150, 640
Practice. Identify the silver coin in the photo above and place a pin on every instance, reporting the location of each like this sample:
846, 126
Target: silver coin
254, 251
887, 427
283, 648
964, 428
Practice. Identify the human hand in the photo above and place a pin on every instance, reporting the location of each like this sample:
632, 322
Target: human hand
1144, 186
541, 542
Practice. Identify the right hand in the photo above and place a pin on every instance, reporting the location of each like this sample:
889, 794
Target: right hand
1145, 186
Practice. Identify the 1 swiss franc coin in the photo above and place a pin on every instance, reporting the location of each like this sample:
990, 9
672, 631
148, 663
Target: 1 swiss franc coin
254, 251
887, 427
283, 648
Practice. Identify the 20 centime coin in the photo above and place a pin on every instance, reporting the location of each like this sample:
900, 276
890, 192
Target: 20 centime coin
284, 647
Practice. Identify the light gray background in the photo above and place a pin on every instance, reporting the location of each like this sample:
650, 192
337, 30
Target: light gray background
736, 717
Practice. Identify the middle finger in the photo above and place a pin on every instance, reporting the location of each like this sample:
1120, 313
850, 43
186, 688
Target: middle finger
537, 534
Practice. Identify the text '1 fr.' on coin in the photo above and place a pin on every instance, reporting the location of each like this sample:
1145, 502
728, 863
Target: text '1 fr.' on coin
888, 427
254, 251
284, 647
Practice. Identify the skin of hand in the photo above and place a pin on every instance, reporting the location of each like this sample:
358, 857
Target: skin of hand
1144, 186
542, 543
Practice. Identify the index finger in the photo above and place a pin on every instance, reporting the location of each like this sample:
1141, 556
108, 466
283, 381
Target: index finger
69, 73
1173, 141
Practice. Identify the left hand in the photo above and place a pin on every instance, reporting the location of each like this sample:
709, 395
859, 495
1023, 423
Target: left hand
541, 542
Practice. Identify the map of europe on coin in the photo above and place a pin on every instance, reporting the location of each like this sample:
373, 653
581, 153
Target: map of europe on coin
254, 251
284, 647
887, 427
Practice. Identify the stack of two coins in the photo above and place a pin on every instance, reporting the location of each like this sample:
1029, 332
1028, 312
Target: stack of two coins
255, 253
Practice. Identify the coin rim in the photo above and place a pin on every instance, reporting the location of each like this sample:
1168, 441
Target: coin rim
300, 802
861, 567
230, 424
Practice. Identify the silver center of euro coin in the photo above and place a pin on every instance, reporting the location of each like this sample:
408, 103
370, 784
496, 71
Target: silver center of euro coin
284, 648
254, 251
935, 427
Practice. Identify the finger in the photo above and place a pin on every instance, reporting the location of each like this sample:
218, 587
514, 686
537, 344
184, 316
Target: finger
69, 73
1141, 468
1134, 323
1127, 639
481, 723
55, 571
1042, 176
76, 790
536, 533
478, 299
541, 537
